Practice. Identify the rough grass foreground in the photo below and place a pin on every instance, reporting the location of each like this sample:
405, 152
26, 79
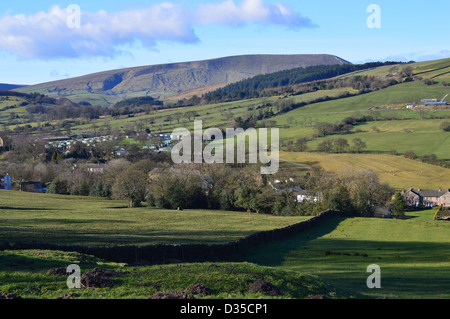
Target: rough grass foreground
39, 274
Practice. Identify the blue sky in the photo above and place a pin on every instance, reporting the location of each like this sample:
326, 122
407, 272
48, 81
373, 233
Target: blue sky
37, 45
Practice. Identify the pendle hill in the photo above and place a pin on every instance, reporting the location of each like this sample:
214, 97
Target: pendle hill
168, 79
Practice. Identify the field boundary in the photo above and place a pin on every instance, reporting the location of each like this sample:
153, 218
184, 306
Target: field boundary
165, 254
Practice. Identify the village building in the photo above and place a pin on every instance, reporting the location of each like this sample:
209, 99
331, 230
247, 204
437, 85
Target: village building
96, 168
382, 212
300, 195
427, 198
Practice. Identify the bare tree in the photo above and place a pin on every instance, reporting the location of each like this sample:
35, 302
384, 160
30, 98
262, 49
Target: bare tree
131, 185
20, 173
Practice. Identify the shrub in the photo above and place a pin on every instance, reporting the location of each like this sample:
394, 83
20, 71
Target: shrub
398, 205
339, 199
445, 126
410, 154
99, 189
325, 146
58, 187
430, 82
81, 189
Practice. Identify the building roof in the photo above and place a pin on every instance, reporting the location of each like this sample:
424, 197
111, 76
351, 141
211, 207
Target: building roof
429, 193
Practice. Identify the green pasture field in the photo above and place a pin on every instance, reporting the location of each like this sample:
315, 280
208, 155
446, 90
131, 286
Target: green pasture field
72, 220
424, 69
422, 136
336, 110
11, 101
413, 255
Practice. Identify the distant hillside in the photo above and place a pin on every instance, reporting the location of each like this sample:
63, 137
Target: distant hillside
5, 87
168, 79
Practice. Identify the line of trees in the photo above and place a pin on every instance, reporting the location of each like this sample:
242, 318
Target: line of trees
227, 188
254, 87
427, 158
341, 145
153, 180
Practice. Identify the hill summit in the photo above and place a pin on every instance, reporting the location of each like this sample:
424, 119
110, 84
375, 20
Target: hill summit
167, 79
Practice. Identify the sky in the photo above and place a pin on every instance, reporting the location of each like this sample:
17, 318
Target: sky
48, 40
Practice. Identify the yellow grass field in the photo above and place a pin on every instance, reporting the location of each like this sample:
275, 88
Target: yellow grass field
398, 171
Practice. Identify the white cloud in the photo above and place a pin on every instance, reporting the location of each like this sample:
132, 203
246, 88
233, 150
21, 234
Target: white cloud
250, 11
47, 35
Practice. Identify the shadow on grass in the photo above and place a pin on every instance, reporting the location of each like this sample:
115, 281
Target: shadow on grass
124, 236
22, 264
57, 221
25, 208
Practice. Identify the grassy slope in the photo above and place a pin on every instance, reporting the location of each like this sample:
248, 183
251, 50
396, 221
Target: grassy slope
11, 101
398, 171
413, 255
71, 220
426, 69
337, 110
25, 273
421, 136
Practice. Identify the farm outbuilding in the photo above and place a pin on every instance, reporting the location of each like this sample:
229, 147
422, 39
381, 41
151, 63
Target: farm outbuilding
382, 212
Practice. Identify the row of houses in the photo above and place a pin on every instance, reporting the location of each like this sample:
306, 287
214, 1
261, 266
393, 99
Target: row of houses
66, 142
428, 198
